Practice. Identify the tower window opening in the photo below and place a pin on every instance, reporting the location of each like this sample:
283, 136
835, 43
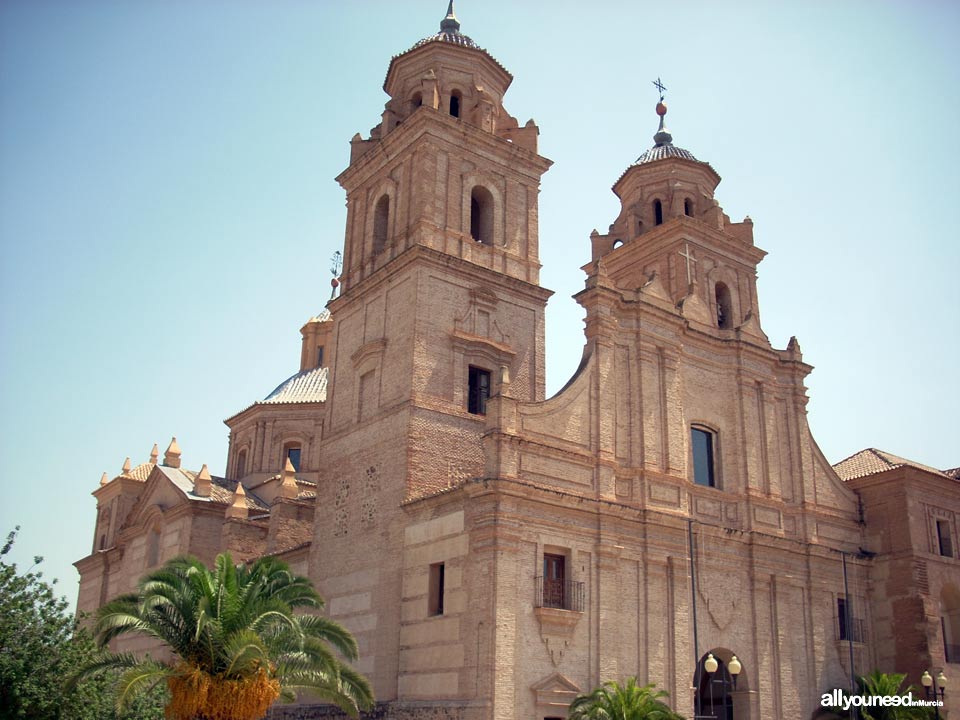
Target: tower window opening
292, 454
724, 311
455, 104
688, 207
416, 101
241, 464
320, 356
478, 390
381, 216
435, 591
944, 541
617, 243
481, 215
703, 444
657, 212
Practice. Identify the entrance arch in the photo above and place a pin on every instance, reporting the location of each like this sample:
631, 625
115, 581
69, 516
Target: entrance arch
714, 691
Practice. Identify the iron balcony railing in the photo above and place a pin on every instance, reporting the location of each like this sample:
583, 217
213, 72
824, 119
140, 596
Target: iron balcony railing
561, 594
851, 630
952, 652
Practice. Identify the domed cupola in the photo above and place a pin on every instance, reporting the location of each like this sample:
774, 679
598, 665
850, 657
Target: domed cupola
449, 32
664, 147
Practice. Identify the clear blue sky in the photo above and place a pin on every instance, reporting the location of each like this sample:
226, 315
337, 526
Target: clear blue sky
168, 209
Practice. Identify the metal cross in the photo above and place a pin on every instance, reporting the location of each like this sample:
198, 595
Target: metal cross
690, 259
659, 86
336, 263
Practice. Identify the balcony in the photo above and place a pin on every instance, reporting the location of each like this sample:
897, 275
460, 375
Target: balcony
559, 594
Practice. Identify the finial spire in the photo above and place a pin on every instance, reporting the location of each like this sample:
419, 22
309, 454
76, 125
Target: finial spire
238, 506
126, 466
450, 24
663, 136
203, 484
154, 454
171, 457
288, 482
104, 480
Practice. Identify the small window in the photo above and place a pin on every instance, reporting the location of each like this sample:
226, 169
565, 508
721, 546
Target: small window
481, 215
688, 207
848, 626
944, 540
657, 212
702, 442
320, 356
416, 101
381, 216
241, 465
724, 311
103, 541
435, 601
478, 391
293, 455
455, 104
617, 243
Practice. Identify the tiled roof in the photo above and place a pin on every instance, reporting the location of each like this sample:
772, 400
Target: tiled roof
661, 152
953, 472
449, 36
221, 489
307, 386
322, 316
871, 461
141, 472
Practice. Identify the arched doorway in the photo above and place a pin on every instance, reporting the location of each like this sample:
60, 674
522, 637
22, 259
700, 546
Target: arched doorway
713, 697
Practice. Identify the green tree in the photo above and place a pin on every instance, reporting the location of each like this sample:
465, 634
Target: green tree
239, 645
615, 701
40, 645
879, 684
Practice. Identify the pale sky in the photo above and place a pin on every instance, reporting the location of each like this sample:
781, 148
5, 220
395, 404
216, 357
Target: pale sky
168, 208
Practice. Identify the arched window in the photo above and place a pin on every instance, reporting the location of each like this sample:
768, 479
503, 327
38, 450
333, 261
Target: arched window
381, 215
416, 101
724, 308
153, 547
481, 215
241, 464
703, 442
688, 207
455, 103
657, 212
617, 243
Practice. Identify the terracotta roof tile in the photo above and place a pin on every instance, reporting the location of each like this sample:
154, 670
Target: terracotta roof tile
871, 461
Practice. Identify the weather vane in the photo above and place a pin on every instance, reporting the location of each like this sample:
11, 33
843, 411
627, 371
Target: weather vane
660, 87
336, 264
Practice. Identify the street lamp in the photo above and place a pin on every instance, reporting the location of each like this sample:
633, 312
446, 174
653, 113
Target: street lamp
710, 665
927, 681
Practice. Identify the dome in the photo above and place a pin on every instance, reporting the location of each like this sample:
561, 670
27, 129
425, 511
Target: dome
661, 152
449, 33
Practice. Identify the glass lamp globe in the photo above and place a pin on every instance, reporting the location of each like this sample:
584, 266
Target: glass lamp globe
710, 664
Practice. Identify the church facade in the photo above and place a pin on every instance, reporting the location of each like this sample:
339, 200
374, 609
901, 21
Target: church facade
666, 515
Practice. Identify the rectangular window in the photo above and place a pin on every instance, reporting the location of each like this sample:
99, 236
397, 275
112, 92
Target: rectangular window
554, 581
478, 391
435, 593
943, 538
703, 457
293, 454
848, 626
320, 356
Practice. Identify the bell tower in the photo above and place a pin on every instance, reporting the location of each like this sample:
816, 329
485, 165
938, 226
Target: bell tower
439, 309
440, 303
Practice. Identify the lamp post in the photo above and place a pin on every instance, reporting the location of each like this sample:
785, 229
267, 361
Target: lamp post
927, 681
710, 665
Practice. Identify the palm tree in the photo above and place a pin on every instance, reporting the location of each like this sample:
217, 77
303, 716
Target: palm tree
879, 684
238, 645
614, 701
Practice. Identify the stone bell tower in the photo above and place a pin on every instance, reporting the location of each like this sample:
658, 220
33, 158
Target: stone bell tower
440, 309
